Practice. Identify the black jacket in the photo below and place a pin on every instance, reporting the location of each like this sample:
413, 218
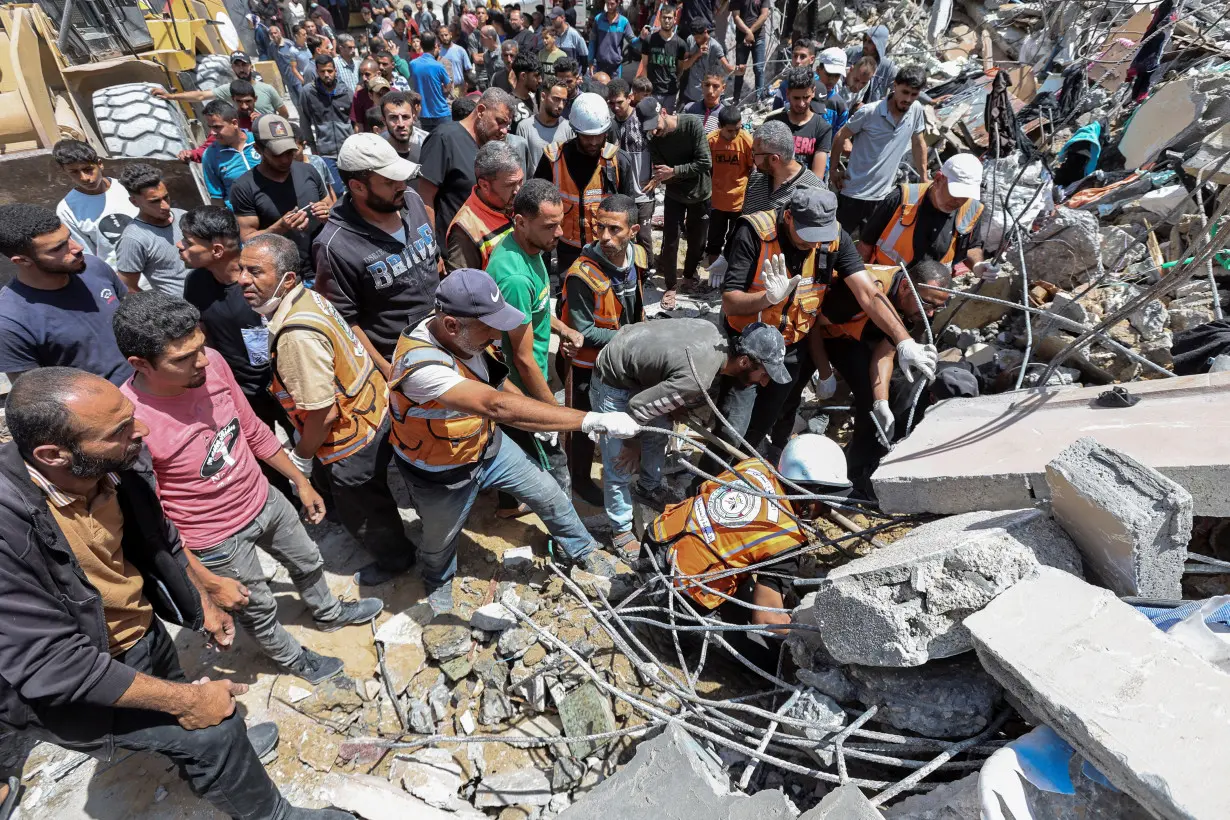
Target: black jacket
56, 672
325, 116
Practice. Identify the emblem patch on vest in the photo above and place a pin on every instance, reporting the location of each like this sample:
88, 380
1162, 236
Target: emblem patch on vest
733, 508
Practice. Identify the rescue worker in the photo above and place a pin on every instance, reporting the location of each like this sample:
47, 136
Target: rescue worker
929, 220
485, 217
448, 393
585, 169
337, 399
861, 336
723, 528
780, 264
603, 291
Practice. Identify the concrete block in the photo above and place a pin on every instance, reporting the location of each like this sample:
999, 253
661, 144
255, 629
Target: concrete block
1130, 522
1173, 108
844, 803
374, 798
1208, 157
957, 800
1144, 710
903, 605
526, 786
991, 452
950, 697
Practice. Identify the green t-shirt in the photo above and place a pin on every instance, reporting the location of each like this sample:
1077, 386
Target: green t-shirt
523, 282
268, 100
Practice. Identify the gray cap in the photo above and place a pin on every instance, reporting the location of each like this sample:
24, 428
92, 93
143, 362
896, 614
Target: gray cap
815, 214
472, 294
766, 345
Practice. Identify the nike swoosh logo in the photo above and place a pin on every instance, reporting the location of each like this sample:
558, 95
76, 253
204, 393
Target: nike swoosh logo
495, 297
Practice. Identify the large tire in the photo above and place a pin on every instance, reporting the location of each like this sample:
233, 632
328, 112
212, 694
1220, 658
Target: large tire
213, 70
134, 123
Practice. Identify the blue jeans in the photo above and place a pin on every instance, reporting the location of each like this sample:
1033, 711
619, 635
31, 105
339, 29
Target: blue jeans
616, 484
742, 50
446, 508
337, 178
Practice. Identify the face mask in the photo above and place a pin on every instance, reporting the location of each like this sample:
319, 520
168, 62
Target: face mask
270, 305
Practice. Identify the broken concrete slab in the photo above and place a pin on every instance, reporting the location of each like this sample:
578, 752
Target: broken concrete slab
957, 800
844, 803
671, 777
374, 798
432, 775
951, 697
1130, 522
1066, 246
1159, 119
1209, 156
991, 452
517, 787
493, 617
1146, 712
903, 605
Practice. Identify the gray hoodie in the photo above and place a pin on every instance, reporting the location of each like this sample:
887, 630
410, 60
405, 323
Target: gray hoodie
882, 81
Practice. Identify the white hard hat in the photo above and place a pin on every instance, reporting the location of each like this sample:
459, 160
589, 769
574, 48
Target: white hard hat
814, 459
590, 114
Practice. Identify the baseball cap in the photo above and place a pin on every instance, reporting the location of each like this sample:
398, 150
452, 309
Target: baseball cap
378, 83
275, 134
647, 112
555, 12
953, 381
964, 175
471, 293
372, 152
834, 61
814, 211
240, 57
766, 345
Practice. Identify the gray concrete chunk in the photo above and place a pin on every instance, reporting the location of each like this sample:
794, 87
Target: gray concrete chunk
1149, 714
1130, 522
844, 803
903, 605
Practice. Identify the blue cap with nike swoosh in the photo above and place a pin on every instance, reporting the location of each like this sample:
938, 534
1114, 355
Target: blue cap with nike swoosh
467, 293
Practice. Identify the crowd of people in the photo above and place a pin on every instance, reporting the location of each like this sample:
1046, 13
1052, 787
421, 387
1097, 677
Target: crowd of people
379, 283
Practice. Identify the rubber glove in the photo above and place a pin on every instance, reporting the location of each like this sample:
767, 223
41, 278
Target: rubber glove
825, 388
883, 415
778, 284
619, 425
911, 356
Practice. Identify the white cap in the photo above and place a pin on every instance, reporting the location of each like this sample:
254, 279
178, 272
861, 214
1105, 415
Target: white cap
964, 175
590, 114
834, 61
372, 152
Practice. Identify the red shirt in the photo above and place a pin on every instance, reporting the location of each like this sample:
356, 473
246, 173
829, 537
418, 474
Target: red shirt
205, 443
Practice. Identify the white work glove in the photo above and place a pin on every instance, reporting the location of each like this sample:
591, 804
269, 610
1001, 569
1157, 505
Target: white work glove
551, 438
304, 465
777, 283
912, 356
825, 388
986, 269
883, 415
619, 425
717, 270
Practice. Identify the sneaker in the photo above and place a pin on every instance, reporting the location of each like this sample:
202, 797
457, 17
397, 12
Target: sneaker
264, 740
314, 668
626, 544
656, 499
597, 562
441, 600
353, 612
373, 575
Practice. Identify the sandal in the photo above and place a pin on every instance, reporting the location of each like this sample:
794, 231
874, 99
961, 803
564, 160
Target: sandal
668, 300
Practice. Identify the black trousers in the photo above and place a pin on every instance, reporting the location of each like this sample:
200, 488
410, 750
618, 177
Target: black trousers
722, 226
852, 359
644, 238
675, 216
580, 446
359, 487
267, 409
852, 213
219, 763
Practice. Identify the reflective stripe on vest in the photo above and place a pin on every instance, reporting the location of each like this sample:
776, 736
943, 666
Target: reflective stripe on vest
795, 316
484, 226
580, 205
896, 245
429, 435
852, 328
360, 389
723, 528
608, 310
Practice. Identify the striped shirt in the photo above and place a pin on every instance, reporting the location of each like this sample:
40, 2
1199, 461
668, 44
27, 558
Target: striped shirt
761, 196
54, 494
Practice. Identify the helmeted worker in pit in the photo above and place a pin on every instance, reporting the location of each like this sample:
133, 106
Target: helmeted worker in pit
724, 528
861, 336
603, 291
940, 219
447, 393
586, 169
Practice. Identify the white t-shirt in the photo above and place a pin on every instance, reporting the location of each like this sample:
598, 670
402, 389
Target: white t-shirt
97, 220
433, 381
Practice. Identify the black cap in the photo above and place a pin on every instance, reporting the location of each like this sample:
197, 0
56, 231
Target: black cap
647, 112
472, 293
240, 57
814, 211
766, 345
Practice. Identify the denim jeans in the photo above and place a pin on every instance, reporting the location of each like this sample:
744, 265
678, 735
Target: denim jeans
446, 507
742, 50
334, 173
616, 484
219, 763
278, 531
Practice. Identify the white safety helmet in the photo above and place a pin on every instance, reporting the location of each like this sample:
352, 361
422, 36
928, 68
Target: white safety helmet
590, 114
816, 460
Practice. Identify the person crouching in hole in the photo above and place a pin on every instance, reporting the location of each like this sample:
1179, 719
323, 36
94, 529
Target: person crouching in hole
709, 542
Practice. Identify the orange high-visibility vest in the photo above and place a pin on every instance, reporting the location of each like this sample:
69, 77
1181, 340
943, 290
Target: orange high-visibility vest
485, 226
724, 528
896, 245
852, 328
608, 311
795, 316
362, 395
580, 203
430, 436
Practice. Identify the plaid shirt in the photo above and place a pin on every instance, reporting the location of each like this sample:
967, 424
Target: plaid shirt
348, 74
